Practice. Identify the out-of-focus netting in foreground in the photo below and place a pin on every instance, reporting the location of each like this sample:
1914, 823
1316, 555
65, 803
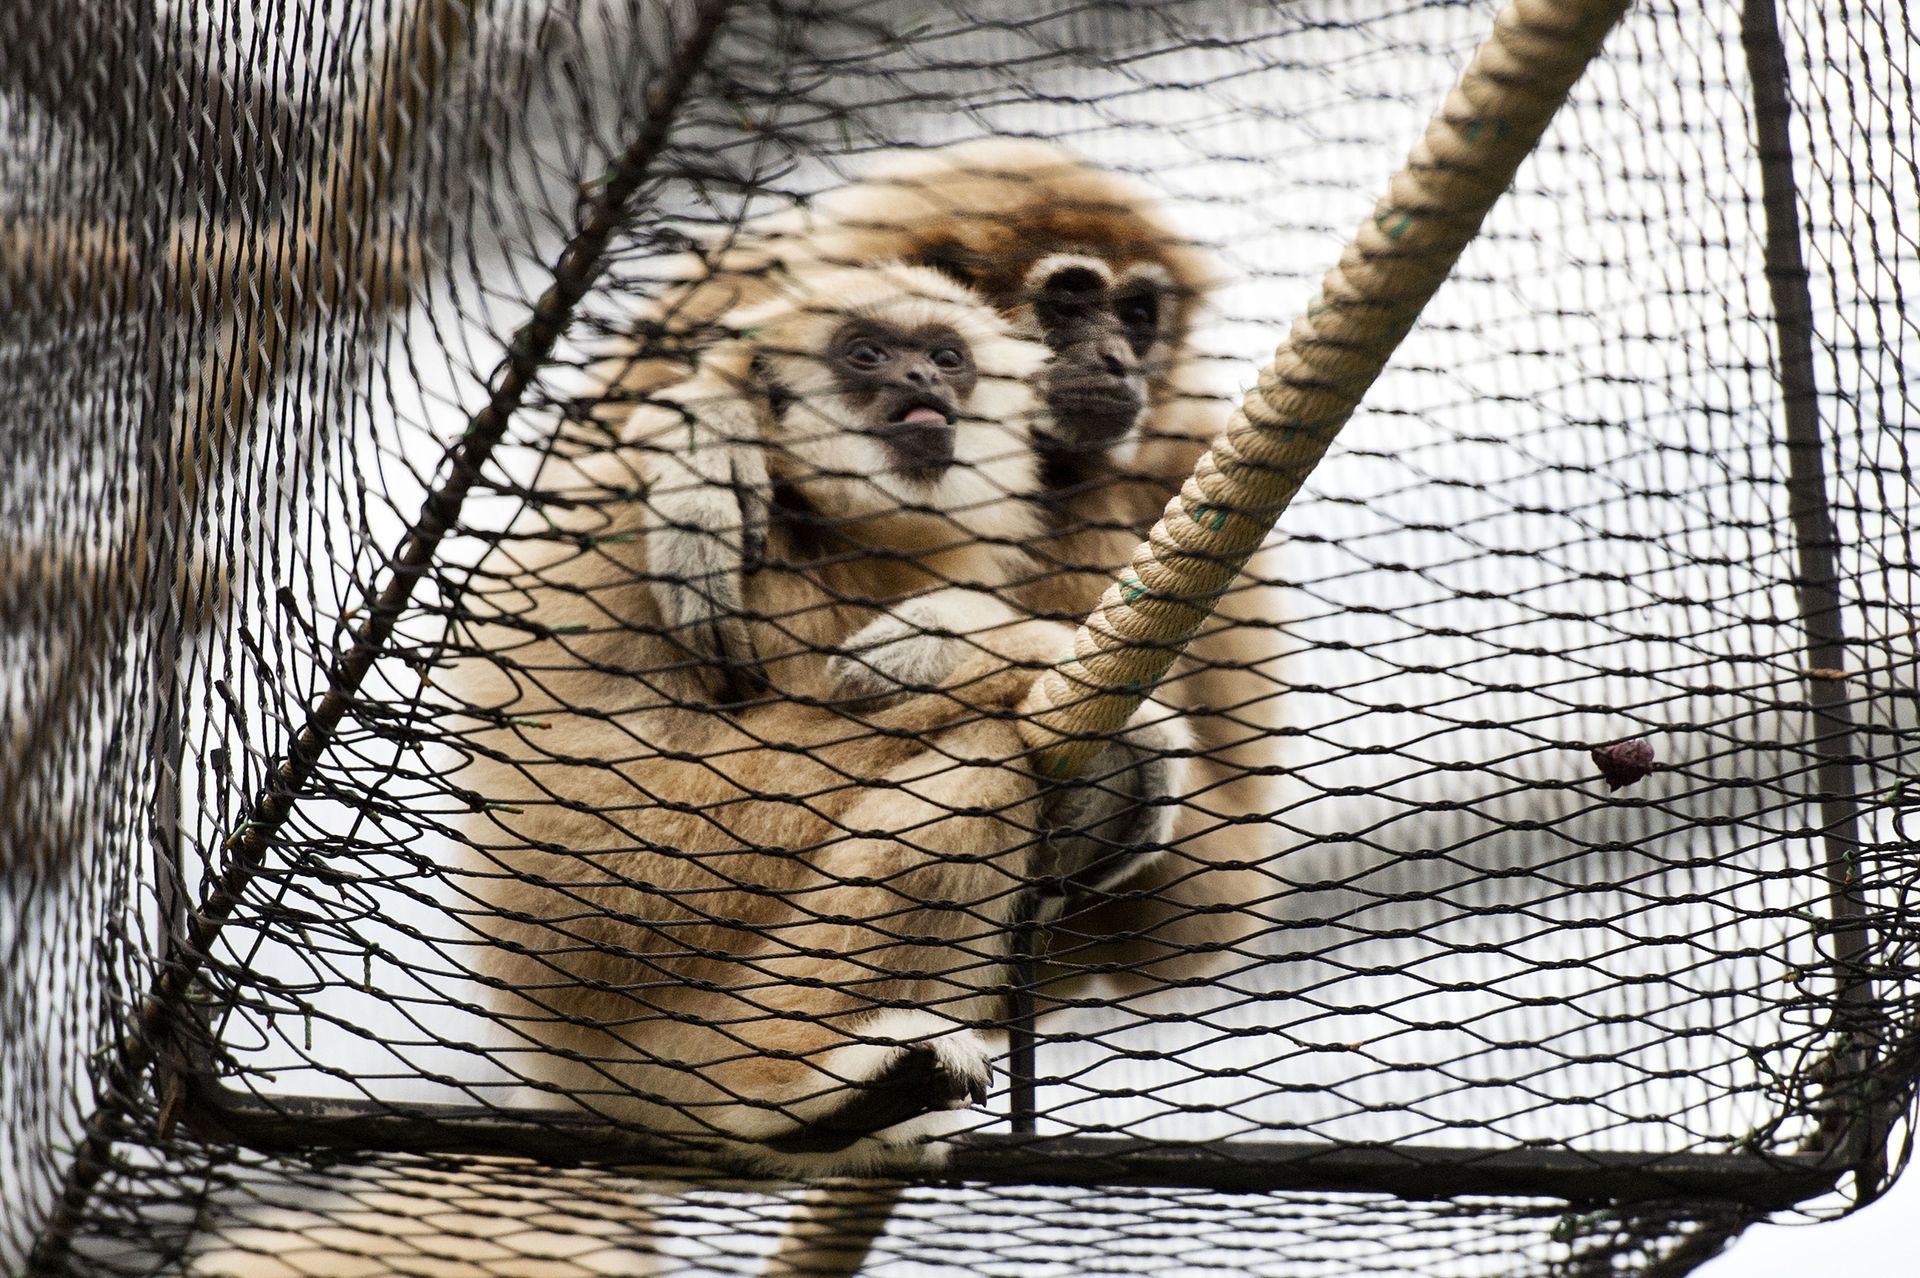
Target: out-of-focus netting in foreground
348, 770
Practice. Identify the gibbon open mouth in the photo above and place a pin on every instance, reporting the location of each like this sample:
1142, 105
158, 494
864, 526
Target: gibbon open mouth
924, 410
920, 436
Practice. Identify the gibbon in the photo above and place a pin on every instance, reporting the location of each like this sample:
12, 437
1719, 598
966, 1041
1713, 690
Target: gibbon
772, 926
1071, 255
1081, 260
775, 929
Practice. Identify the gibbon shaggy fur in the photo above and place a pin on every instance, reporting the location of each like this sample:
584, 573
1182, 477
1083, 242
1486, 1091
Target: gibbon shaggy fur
776, 930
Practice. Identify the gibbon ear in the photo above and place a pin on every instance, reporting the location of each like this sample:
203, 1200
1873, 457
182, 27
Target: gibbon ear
708, 494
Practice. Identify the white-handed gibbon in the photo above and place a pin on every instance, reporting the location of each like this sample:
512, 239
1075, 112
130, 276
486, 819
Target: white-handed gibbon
1081, 260
776, 925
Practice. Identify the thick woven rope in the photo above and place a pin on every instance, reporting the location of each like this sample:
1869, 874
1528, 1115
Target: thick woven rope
1432, 210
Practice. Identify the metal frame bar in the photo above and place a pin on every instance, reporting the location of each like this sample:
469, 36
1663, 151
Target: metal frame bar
1762, 1181
1855, 1129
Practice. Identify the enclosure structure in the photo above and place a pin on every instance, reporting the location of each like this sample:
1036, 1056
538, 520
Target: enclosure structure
1640, 473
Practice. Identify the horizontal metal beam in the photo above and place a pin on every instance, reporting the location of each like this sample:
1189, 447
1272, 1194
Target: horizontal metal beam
298, 1124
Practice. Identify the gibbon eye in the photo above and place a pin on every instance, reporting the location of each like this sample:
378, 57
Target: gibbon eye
1139, 312
948, 360
1069, 294
864, 352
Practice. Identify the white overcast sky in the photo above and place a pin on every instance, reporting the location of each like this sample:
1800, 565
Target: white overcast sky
1883, 1241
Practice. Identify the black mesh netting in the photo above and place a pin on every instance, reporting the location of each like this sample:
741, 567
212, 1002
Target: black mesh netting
471, 723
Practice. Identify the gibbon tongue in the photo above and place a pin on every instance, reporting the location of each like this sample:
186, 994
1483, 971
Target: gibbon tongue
923, 416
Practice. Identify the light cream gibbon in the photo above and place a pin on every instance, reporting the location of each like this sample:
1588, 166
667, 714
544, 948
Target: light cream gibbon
773, 930
753, 835
1083, 261
776, 928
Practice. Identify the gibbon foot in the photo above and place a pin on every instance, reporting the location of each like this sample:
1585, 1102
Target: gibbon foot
909, 1065
918, 1081
1108, 825
920, 644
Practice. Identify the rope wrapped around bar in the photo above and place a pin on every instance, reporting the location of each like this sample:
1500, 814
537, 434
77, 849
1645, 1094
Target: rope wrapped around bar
1433, 208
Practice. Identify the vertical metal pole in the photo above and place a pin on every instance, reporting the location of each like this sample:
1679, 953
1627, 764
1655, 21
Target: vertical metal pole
1817, 585
1021, 1065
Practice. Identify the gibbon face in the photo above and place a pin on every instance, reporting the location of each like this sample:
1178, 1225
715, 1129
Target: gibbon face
901, 407
1107, 336
873, 426
907, 385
